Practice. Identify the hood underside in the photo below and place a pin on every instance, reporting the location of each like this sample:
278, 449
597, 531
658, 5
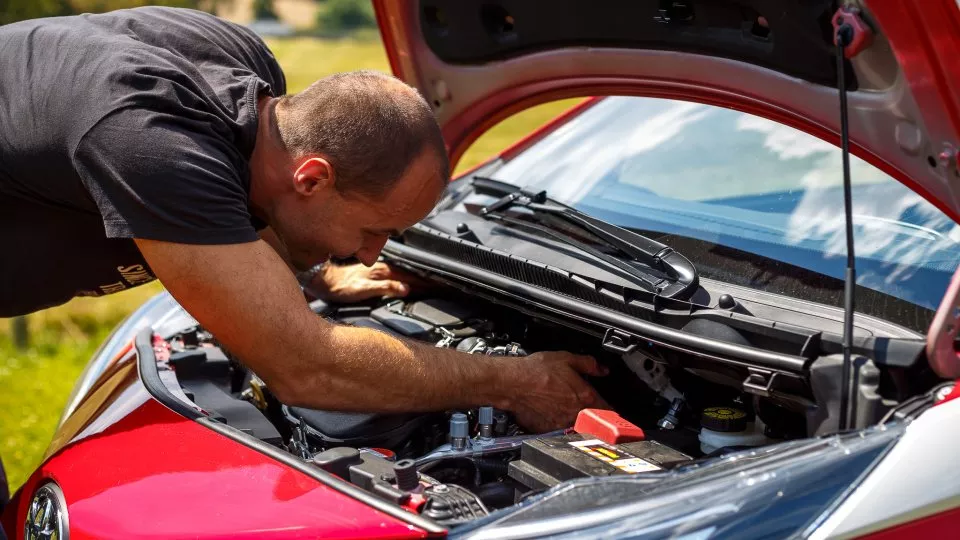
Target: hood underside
478, 62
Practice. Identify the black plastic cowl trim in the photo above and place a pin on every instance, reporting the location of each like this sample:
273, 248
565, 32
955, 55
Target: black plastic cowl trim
150, 377
662, 335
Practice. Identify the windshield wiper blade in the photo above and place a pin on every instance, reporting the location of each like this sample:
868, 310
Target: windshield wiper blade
681, 276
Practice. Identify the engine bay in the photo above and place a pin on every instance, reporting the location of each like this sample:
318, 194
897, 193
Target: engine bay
457, 465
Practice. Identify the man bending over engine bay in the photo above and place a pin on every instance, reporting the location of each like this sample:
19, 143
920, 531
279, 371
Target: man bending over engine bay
159, 142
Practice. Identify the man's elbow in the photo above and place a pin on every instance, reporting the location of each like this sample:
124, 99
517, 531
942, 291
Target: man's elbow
291, 390
303, 390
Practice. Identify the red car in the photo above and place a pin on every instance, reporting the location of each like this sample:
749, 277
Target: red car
688, 230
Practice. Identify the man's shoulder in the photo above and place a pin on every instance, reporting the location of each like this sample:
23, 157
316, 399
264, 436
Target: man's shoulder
194, 35
154, 21
175, 41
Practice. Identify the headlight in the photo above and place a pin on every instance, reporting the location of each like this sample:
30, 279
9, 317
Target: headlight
47, 516
161, 312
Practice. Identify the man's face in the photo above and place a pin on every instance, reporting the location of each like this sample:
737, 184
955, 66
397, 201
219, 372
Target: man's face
330, 223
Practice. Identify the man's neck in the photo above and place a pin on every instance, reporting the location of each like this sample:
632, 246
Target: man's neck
268, 158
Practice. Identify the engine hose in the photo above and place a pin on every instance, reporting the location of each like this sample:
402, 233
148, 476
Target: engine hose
491, 466
495, 494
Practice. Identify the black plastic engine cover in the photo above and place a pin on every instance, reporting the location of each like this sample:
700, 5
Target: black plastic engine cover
356, 429
440, 312
407, 326
329, 428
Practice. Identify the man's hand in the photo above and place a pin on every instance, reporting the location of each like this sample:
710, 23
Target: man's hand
550, 391
350, 283
356, 282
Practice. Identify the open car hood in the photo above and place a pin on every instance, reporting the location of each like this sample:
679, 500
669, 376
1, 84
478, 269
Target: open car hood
480, 61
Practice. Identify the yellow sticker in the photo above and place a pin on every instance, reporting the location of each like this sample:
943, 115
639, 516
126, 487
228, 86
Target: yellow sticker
612, 455
607, 453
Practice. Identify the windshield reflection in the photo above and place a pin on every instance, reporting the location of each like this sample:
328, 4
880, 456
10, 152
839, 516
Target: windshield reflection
744, 182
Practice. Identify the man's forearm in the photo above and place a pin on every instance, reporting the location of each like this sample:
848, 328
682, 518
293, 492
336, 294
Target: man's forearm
312, 280
362, 369
246, 297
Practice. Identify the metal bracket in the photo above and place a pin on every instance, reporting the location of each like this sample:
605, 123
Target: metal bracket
859, 34
517, 198
759, 383
447, 339
619, 342
299, 442
395, 306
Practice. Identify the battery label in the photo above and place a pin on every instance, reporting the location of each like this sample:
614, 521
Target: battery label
625, 461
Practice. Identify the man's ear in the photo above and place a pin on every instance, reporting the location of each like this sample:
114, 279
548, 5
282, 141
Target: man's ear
313, 175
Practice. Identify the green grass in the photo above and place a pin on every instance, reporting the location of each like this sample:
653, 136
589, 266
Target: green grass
35, 383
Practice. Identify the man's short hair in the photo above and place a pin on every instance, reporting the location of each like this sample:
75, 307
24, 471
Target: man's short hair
371, 126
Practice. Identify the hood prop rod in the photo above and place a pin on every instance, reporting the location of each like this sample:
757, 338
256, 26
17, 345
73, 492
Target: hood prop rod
851, 36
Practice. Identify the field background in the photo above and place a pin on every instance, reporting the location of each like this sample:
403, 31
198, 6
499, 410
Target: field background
35, 382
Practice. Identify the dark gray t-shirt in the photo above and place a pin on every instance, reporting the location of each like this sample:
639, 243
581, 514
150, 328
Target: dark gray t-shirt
132, 124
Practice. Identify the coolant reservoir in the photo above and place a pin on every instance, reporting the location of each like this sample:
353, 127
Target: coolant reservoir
721, 427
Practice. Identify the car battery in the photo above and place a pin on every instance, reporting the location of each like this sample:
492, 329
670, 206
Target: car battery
545, 462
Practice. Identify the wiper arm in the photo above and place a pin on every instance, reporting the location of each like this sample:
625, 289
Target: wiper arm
681, 275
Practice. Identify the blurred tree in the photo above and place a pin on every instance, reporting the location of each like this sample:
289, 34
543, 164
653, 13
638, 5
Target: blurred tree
21, 334
100, 6
345, 15
18, 10
263, 9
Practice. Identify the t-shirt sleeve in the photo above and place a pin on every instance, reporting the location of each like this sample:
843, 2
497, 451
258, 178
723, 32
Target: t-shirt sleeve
157, 175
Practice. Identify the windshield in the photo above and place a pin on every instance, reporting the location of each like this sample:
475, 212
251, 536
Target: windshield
743, 182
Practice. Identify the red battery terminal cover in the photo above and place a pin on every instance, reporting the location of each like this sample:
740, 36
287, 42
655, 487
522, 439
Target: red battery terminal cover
608, 426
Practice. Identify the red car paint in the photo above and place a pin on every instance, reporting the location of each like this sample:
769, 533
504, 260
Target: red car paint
954, 394
942, 525
152, 473
155, 474
925, 37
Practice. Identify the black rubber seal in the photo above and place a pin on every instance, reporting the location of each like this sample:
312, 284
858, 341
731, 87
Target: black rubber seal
150, 377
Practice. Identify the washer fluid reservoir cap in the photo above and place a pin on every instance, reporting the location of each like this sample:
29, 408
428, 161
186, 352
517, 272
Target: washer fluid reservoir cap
723, 419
